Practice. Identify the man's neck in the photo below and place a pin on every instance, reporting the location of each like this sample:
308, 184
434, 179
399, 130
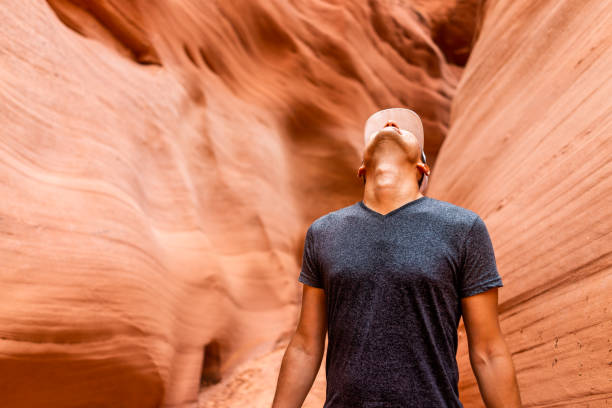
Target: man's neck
387, 189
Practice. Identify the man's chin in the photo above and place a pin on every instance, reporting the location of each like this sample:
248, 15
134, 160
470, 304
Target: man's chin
383, 145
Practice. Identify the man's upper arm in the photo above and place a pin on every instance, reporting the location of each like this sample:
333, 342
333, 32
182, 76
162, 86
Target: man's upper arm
479, 267
481, 322
310, 273
312, 326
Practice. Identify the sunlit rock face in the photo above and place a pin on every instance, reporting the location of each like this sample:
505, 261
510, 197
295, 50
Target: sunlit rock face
529, 150
159, 163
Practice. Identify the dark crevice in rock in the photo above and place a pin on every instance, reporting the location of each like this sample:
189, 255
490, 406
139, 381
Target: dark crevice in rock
211, 364
190, 55
108, 23
456, 33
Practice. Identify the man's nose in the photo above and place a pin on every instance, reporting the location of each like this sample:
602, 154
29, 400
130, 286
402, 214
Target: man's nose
393, 126
391, 123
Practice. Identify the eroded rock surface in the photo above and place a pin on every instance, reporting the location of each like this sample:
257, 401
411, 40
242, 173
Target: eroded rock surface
529, 149
159, 164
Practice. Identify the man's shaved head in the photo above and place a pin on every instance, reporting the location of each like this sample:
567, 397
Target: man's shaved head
393, 159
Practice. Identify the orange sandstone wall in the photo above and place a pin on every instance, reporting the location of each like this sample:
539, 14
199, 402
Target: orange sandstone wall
529, 149
159, 163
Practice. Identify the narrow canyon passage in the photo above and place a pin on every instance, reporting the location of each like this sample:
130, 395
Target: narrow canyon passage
160, 162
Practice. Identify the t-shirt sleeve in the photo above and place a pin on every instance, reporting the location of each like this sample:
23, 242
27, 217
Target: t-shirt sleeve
479, 270
311, 272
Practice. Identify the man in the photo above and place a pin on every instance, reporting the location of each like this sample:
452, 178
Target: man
388, 278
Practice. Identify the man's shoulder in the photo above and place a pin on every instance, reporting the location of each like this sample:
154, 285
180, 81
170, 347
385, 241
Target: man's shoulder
335, 217
452, 213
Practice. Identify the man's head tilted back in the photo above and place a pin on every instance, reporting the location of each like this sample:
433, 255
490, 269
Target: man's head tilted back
394, 144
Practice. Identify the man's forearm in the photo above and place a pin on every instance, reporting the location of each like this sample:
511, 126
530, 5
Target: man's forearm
497, 379
298, 371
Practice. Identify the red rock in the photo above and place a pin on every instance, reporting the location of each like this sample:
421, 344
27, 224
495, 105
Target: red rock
159, 162
529, 150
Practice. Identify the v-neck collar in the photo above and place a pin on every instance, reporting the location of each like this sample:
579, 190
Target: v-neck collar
392, 212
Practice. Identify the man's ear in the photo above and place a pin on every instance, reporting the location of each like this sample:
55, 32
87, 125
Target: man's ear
423, 168
361, 171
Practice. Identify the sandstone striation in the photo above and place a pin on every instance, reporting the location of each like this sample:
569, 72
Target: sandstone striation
159, 164
529, 149
161, 160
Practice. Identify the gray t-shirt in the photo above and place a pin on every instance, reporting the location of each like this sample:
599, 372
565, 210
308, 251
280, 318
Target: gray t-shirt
393, 285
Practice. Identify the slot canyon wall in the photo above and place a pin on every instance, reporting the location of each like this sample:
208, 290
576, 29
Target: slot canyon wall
530, 149
160, 162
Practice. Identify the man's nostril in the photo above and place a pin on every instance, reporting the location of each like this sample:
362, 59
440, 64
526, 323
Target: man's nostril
391, 123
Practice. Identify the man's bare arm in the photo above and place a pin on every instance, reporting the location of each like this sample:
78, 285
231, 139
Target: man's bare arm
489, 355
304, 353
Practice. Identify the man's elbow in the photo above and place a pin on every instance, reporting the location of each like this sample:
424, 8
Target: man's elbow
483, 354
312, 345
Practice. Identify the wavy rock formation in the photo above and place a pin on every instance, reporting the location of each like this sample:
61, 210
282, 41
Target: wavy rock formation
160, 161
529, 149
159, 164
